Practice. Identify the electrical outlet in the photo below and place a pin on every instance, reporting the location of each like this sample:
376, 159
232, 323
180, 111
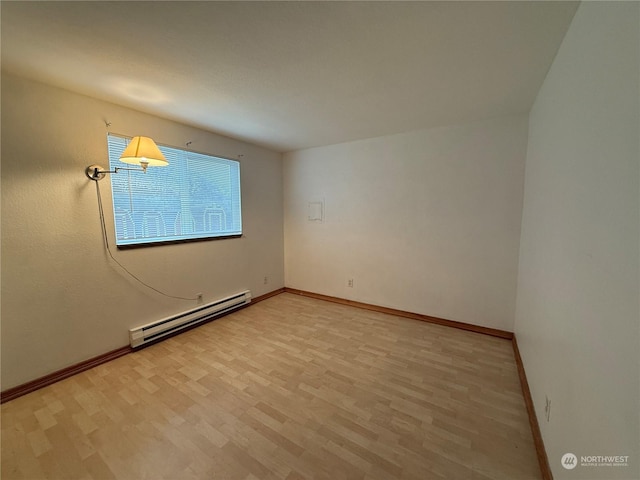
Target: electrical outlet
547, 408
350, 283
266, 280
199, 297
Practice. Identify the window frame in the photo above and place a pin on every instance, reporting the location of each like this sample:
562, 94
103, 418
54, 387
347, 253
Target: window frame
169, 151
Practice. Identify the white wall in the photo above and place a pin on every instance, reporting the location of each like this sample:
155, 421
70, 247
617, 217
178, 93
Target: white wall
577, 320
426, 221
63, 300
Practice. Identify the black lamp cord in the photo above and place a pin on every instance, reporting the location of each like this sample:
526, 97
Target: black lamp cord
106, 242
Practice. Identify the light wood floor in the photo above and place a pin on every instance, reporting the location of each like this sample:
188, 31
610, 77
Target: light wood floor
289, 388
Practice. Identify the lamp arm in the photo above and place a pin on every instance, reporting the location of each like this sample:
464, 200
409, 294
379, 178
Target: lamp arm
117, 169
96, 172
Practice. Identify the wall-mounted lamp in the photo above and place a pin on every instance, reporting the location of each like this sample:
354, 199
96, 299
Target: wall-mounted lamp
141, 151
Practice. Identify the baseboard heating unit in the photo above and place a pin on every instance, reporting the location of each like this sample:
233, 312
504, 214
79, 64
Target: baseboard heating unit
153, 331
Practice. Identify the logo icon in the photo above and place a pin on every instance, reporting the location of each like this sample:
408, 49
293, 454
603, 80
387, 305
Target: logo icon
569, 461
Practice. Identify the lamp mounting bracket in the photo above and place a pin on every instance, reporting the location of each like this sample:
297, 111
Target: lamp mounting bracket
96, 172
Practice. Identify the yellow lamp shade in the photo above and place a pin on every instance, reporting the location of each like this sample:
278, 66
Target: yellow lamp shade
143, 151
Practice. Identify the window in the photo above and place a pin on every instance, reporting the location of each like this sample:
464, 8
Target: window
195, 197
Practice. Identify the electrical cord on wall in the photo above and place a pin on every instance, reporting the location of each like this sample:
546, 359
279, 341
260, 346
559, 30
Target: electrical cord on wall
106, 242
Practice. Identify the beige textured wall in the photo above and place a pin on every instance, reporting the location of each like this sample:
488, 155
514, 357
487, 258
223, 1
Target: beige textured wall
63, 299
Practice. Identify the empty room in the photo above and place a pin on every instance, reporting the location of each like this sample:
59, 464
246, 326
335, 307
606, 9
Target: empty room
320, 240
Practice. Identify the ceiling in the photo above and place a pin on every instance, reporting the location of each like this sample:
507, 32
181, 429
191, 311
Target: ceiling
292, 75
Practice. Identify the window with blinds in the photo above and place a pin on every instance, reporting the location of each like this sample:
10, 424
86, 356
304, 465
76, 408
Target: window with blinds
195, 197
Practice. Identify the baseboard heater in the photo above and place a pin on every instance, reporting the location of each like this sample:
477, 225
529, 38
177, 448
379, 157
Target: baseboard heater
153, 331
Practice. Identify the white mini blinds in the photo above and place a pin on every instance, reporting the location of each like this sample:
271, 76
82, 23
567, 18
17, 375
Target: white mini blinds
195, 197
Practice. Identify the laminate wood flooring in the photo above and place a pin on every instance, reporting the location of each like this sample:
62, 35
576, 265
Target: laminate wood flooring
290, 388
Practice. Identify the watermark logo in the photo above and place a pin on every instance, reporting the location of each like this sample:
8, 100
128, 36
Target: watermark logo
569, 461
604, 460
